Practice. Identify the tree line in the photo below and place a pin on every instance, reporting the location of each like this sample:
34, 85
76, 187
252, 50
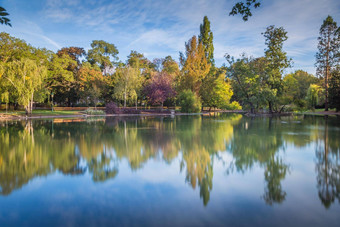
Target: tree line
75, 77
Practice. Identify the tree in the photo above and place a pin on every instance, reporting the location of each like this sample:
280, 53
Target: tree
74, 52
328, 55
3, 17
91, 83
313, 94
103, 54
128, 84
170, 66
246, 76
244, 8
215, 91
27, 78
334, 89
277, 62
160, 88
195, 66
206, 38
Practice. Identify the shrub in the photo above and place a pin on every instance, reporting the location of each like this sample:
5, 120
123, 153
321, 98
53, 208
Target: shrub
234, 106
94, 112
112, 108
189, 102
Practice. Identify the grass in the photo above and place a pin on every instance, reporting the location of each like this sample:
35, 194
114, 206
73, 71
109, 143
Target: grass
42, 113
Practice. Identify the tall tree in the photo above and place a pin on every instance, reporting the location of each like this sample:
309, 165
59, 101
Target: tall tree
244, 8
277, 62
103, 54
74, 52
328, 56
3, 17
195, 66
206, 38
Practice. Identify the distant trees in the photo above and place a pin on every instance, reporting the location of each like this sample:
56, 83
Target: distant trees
328, 55
103, 54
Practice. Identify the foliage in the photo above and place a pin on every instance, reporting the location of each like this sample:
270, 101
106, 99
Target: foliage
189, 102
334, 89
313, 94
277, 62
195, 66
244, 8
233, 106
112, 108
3, 17
328, 55
103, 54
206, 38
215, 91
94, 112
160, 88
128, 84
26, 77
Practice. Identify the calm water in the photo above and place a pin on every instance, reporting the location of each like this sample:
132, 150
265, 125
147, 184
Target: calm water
162, 171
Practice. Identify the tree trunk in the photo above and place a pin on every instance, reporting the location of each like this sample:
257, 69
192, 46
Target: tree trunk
136, 103
270, 107
162, 107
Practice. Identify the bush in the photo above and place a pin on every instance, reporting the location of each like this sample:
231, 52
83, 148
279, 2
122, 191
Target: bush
112, 108
234, 106
189, 102
94, 112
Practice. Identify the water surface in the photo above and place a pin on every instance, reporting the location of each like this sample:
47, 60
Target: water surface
217, 170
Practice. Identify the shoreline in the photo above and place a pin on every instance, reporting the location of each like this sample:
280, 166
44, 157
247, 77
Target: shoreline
24, 117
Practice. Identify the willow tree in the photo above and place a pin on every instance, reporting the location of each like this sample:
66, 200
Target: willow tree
195, 66
206, 38
328, 56
27, 79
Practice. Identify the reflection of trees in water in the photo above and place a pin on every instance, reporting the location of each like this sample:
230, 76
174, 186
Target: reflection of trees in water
37, 148
328, 166
258, 141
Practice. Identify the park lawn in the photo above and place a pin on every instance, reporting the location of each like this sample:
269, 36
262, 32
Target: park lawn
43, 113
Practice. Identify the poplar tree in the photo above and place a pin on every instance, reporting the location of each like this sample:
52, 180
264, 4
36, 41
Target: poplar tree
328, 56
206, 38
195, 66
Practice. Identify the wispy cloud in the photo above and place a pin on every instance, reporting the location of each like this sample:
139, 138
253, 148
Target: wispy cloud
161, 27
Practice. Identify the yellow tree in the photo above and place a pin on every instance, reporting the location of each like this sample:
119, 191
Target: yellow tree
195, 66
27, 78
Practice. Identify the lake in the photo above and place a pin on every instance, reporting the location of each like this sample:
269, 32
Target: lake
203, 170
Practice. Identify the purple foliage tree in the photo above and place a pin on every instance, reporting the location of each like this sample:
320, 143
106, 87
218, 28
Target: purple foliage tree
160, 88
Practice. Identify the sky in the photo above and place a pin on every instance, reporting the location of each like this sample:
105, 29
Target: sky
158, 28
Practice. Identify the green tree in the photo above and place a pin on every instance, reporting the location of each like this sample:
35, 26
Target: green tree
334, 89
206, 38
27, 78
313, 94
327, 58
195, 66
189, 102
277, 62
103, 54
3, 17
128, 84
215, 91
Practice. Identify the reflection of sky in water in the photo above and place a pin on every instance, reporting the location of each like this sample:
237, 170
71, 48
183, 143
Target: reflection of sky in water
157, 192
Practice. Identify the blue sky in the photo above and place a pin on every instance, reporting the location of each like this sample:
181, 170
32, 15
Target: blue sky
159, 28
